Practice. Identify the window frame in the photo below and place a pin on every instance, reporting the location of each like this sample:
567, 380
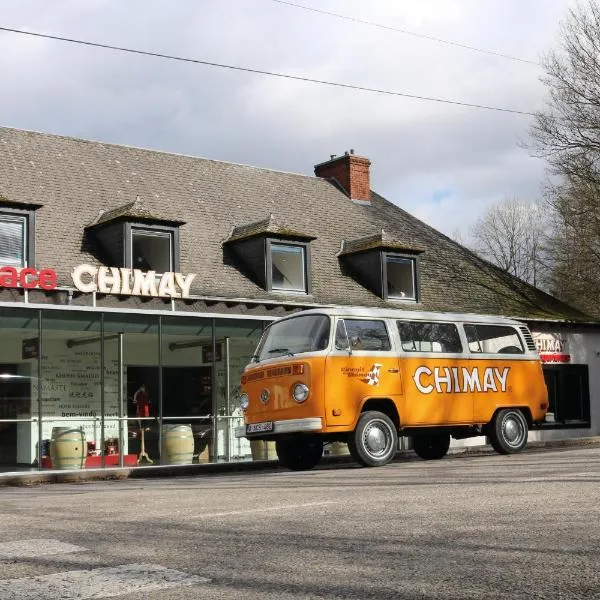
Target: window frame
454, 324
352, 350
29, 232
173, 232
414, 260
524, 354
270, 243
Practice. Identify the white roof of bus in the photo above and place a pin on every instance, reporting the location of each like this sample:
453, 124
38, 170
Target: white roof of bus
412, 315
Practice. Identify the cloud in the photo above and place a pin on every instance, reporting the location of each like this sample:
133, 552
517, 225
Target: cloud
417, 148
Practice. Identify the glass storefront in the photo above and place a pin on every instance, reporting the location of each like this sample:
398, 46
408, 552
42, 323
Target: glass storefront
93, 389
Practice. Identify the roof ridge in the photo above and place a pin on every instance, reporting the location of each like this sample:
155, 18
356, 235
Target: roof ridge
155, 151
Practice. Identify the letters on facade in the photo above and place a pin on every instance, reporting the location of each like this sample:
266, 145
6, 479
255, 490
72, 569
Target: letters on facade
131, 282
28, 278
552, 348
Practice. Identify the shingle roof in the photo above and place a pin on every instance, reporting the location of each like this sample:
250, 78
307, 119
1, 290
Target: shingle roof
382, 240
268, 226
134, 211
76, 179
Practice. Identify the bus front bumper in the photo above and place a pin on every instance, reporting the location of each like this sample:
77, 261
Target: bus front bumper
278, 427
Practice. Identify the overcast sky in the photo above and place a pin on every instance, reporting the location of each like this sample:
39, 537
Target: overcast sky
443, 163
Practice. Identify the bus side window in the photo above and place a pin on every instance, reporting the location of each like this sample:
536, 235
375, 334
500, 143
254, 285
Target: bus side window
370, 335
472, 339
494, 339
421, 336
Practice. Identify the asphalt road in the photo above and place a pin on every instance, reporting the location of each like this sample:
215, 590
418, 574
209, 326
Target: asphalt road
486, 526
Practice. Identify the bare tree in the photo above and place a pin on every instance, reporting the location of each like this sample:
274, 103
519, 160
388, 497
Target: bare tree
567, 134
511, 234
574, 245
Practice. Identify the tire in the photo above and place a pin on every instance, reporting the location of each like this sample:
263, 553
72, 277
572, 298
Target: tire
299, 454
431, 446
374, 442
508, 431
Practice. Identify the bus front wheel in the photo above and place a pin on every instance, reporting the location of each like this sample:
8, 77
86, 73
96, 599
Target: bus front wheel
508, 431
299, 454
374, 441
431, 446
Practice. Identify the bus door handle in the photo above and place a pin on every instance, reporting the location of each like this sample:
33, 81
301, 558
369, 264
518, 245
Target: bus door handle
393, 370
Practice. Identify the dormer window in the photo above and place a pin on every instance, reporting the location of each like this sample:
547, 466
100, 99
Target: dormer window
131, 236
385, 265
288, 267
151, 250
13, 241
275, 257
400, 276
17, 227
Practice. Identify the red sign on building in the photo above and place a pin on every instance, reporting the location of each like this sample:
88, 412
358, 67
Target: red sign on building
28, 278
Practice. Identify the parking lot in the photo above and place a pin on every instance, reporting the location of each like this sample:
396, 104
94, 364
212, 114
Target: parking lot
479, 526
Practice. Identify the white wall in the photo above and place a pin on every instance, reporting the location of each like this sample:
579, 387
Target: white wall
584, 349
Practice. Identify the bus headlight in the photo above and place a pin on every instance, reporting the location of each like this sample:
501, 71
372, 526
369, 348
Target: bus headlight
244, 402
300, 392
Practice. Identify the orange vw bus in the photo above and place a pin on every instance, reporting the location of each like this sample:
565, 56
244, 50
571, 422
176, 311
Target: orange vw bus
363, 376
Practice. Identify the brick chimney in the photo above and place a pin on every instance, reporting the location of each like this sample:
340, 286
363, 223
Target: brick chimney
351, 172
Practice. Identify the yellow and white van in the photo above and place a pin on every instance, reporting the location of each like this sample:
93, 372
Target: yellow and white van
363, 376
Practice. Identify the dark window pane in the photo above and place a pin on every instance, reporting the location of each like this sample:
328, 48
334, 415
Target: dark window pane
287, 268
494, 339
568, 394
417, 336
151, 251
367, 335
400, 277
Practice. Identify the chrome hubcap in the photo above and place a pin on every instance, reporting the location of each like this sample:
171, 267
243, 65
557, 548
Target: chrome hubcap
512, 430
376, 439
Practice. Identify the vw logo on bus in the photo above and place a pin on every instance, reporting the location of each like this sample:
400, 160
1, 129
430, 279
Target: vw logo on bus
265, 395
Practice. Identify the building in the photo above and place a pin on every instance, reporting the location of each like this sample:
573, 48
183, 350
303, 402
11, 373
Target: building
123, 267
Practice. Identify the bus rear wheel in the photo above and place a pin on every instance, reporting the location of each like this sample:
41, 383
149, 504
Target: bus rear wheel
374, 441
431, 446
299, 454
508, 431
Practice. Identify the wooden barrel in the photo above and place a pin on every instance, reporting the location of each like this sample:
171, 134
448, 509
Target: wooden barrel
67, 448
262, 450
177, 445
337, 449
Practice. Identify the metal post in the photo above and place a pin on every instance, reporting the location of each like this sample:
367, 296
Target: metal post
39, 394
227, 403
215, 429
102, 457
160, 390
122, 411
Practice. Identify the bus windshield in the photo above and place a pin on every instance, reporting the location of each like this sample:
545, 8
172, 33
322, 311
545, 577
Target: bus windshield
289, 337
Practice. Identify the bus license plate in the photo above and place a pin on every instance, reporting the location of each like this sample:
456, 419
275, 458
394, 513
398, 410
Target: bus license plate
259, 427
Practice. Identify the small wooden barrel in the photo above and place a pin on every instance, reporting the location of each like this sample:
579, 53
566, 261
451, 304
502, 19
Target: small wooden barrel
67, 448
177, 445
262, 450
337, 449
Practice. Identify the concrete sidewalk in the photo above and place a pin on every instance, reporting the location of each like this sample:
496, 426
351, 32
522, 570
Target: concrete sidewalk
33, 478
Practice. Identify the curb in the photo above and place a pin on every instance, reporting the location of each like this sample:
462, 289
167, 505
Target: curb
30, 479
